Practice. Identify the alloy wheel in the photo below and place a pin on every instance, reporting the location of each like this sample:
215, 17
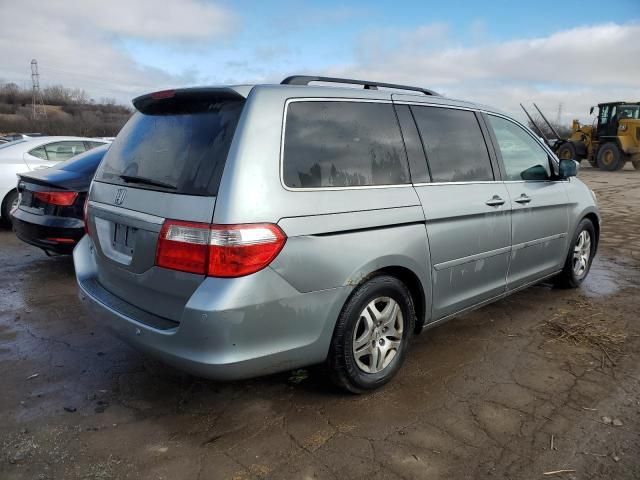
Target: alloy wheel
581, 253
378, 335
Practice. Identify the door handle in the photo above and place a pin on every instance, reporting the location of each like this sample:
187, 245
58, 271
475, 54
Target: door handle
523, 199
495, 201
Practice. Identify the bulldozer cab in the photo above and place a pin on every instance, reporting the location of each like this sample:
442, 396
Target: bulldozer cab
609, 114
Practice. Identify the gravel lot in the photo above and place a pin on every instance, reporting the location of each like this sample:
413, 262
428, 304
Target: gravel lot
483, 396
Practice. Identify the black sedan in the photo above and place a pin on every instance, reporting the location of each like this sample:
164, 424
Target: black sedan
50, 212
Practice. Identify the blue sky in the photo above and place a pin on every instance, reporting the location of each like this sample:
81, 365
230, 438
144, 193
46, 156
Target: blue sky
285, 35
573, 53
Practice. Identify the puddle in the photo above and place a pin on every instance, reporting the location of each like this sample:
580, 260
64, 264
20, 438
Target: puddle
608, 278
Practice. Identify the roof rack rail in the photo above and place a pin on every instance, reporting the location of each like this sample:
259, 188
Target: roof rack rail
306, 79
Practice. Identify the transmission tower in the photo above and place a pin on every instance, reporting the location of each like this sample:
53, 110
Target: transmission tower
37, 104
559, 119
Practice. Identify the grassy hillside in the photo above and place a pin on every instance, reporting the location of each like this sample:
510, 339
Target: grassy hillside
69, 112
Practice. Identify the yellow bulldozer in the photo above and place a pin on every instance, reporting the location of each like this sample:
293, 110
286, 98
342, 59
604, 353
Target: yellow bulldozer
612, 140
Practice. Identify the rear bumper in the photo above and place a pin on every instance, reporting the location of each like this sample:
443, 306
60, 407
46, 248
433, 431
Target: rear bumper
41, 230
230, 329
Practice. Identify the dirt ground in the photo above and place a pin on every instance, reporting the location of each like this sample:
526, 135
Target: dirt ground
483, 396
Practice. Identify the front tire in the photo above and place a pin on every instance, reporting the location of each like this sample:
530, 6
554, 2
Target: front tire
610, 157
567, 151
580, 256
372, 335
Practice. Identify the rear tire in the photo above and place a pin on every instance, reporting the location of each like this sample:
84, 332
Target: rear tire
636, 164
610, 157
372, 335
567, 151
580, 256
7, 204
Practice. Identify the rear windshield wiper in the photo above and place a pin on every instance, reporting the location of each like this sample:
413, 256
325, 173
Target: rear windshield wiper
147, 181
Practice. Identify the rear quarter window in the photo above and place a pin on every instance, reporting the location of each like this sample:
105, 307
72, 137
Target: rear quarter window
342, 144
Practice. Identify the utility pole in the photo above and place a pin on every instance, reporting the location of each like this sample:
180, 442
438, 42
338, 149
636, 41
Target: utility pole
37, 104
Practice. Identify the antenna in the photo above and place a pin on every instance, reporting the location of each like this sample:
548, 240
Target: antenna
37, 104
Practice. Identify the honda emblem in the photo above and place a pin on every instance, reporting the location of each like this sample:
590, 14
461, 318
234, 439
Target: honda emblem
120, 194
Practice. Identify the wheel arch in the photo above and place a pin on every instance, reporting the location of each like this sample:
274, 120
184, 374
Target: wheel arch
413, 283
595, 220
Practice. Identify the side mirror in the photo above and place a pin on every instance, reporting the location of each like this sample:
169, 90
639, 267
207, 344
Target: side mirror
537, 172
591, 111
568, 168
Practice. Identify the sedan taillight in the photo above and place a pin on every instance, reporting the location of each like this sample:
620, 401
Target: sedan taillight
62, 199
218, 250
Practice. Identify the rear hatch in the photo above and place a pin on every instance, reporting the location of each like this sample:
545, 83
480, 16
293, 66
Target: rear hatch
166, 163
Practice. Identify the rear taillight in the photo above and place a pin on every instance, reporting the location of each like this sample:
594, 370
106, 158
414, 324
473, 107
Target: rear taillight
62, 199
237, 250
218, 250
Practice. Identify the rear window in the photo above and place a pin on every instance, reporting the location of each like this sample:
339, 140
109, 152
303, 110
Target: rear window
343, 144
181, 143
455, 146
85, 162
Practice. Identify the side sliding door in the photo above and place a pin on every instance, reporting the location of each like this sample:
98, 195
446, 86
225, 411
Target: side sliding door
467, 209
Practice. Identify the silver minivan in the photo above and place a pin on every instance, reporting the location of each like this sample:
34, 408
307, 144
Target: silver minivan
242, 230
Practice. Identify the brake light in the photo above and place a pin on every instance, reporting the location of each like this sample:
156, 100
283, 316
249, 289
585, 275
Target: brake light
218, 250
62, 199
163, 94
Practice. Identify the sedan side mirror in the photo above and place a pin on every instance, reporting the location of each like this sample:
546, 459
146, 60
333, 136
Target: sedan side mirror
568, 168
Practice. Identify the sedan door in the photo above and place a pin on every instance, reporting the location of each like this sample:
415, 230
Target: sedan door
539, 212
466, 207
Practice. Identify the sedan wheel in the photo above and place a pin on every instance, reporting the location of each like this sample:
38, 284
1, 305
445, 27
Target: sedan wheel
9, 202
15, 202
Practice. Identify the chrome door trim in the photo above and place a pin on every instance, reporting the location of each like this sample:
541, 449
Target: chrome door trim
471, 258
474, 182
537, 241
133, 214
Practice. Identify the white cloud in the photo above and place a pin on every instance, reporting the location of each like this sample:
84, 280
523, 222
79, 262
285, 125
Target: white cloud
577, 67
152, 19
79, 44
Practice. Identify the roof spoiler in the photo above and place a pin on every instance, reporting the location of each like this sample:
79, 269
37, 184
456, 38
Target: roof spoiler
167, 100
